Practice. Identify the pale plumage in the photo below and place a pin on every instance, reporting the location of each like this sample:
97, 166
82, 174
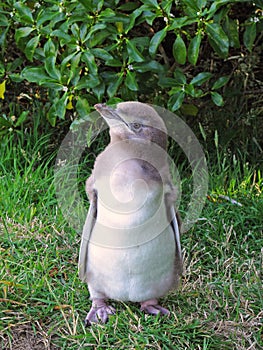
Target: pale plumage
130, 249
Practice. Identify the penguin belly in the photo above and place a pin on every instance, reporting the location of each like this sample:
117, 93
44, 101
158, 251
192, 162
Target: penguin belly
135, 273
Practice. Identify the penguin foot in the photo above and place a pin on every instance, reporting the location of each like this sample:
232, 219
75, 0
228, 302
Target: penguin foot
99, 312
151, 307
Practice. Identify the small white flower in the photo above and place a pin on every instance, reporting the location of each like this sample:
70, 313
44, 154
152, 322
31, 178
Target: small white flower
165, 19
11, 14
254, 19
37, 5
65, 88
130, 67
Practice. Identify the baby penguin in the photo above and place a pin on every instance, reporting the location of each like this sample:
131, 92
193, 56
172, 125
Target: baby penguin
130, 248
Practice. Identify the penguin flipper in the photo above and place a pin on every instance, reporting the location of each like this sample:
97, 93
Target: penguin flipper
87, 229
178, 251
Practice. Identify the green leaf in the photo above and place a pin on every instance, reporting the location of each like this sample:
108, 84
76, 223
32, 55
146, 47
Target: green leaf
217, 39
132, 18
60, 106
107, 15
167, 82
217, 98
63, 37
101, 54
231, 27
193, 49
220, 82
50, 66
88, 5
83, 31
52, 115
152, 3
12, 66
22, 32
189, 109
99, 90
24, 12
179, 50
45, 15
22, 118
215, 6
192, 4
201, 4
190, 90
34, 74
16, 78
4, 22
3, 35
88, 82
51, 84
181, 22
89, 59
151, 66
98, 38
114, 85
128, 6
50, 48
133, 52
75, 62
176, 100
82, 107
114, 63
130, 81
175, 90
201, 78
66, 60
156, 41
31, 47
198, 93
179, 76
3, 69
250, 36
5, 123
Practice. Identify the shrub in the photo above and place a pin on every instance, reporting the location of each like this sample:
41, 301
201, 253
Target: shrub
172, 53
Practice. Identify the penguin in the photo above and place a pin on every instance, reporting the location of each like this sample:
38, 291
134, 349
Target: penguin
130, 248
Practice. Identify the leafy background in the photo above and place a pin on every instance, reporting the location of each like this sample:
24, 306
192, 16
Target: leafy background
183, 55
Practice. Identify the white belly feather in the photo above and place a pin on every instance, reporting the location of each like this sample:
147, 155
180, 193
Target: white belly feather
136, 274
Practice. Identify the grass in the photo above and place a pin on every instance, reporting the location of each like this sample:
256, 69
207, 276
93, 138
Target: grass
43, 303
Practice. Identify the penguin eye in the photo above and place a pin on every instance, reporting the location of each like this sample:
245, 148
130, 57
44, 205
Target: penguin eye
136, 126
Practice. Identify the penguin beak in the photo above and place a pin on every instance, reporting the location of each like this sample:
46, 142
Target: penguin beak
109, 113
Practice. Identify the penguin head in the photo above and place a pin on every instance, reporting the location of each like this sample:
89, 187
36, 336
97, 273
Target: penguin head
134, 120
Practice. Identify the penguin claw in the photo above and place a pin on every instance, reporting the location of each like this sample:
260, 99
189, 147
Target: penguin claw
99, 314
152, 308
155, 310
